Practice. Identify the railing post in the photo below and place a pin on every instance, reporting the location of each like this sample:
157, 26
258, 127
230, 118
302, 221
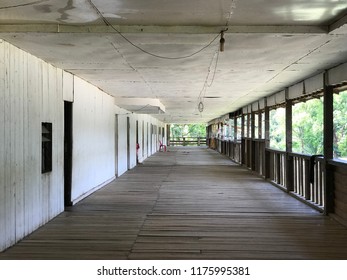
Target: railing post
307, 183
278, 168
184, 141
198, 140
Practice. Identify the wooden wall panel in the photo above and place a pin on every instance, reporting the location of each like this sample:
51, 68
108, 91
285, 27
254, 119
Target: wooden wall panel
31, 92
10, 218
133, 119
33, 147
58, 160
17, 147
2, 147
93, 134
340, 179
122, 144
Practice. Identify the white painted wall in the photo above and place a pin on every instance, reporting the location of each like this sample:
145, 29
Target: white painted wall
30, 93
147, 120
93, 139
122, 144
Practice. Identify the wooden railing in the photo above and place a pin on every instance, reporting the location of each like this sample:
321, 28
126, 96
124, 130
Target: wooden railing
259, 156
230, 148
302, 175
187, 141
276, 166
299, 174
308, 178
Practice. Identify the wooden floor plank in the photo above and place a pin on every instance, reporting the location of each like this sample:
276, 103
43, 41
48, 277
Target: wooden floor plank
188, 203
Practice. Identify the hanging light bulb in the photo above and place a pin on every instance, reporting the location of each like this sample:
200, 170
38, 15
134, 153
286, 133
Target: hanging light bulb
201, 107
221, 42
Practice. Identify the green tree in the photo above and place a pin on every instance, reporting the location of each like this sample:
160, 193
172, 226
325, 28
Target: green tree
308, 127
188, 130
340, 125
277, 129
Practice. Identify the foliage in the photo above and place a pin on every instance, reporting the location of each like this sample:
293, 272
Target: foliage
278, 129
187, 130
340, 125
308, 127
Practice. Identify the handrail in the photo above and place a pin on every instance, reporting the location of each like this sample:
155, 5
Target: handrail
337, 162
275, 151
184, 141
301, 174
305, 156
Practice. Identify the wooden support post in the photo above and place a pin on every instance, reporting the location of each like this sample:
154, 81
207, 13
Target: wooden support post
278, 168
289, 145
267, 141
168, 134
328, 149
252, 150
307, 183
243, 142
235, 138
260, 124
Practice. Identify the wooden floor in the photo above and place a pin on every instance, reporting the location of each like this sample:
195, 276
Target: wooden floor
188, 203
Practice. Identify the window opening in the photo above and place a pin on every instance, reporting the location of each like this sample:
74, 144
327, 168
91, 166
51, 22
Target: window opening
46, 139
340, 125
278, 129
307, 127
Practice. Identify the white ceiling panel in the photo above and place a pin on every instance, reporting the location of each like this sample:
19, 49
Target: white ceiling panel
269, 45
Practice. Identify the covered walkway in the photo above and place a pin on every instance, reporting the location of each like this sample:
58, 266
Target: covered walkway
188, 203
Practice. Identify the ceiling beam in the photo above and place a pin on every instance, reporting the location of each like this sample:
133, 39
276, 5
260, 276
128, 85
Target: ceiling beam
339, 25
58, 28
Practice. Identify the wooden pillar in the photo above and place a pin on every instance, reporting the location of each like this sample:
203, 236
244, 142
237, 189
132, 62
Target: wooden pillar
233, 152
168, 135
328, 148
252, 151
243, 142
235, 128
289, 145
267, 141
260, 124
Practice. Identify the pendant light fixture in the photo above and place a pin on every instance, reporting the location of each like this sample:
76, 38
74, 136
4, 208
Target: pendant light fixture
221, 42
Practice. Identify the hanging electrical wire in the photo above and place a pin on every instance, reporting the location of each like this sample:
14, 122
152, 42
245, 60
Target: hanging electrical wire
107, 23
221, 49
208, 84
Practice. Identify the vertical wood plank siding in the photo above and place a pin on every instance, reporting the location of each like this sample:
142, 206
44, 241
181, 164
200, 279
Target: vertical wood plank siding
32, 92
93, 137
340, 179
3, 218
29, 95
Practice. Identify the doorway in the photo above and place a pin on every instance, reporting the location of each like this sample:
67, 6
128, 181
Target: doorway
116, 146
68, 132
128, 142
137, 142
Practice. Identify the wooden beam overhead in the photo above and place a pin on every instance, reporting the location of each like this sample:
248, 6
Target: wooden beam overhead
59, 28
342, 22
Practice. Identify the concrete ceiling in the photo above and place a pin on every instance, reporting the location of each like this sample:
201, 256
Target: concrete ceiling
270, 44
